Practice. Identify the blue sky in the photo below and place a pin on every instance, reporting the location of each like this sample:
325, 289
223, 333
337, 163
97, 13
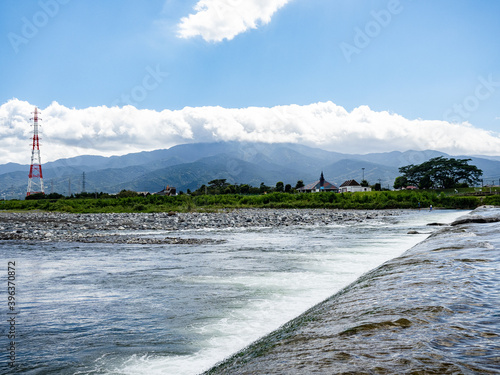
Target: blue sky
421, 60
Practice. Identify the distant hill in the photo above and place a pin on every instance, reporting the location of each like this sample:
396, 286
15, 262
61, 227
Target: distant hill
189, 166
193, 175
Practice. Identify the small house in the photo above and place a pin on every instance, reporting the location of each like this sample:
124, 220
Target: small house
169, 190
352, 186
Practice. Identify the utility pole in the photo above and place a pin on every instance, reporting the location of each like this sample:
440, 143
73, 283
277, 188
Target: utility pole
83, 182
363, 174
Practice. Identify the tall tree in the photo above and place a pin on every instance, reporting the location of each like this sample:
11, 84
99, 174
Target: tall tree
401, 182
218, 183
441, 173
279, 186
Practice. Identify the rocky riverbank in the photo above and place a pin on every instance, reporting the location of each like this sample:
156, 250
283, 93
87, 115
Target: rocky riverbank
116, 227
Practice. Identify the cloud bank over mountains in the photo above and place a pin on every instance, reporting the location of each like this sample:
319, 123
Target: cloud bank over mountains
216, 20
67, 132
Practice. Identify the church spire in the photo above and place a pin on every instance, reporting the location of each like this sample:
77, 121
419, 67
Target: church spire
322, 180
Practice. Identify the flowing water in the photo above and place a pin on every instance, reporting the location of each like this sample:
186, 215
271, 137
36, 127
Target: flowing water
180, 308
433, 310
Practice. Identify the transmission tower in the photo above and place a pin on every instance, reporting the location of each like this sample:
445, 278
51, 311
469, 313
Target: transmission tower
35, 181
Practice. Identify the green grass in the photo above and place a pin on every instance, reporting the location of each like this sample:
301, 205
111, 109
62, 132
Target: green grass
185, 203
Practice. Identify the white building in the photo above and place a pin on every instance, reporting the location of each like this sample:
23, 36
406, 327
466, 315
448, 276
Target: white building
351, 186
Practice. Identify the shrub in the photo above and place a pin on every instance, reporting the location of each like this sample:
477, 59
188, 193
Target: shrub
493, 200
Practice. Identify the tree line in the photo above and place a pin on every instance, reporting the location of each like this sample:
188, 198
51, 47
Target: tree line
221, 186
329, 200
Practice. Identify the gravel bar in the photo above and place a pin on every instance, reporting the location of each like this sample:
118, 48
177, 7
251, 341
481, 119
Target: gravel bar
106, 227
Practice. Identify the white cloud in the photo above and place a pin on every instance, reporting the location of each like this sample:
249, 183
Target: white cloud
216, 20
107, 131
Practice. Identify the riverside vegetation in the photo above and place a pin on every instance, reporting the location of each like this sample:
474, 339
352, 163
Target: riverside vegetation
127, 202
449, 174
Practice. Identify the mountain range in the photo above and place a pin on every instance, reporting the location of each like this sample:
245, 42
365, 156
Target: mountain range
189, 166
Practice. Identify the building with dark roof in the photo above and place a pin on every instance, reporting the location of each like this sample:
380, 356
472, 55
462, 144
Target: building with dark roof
169, 191
318, 186
352, 186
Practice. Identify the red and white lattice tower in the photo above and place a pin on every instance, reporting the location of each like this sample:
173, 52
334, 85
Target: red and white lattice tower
35, 181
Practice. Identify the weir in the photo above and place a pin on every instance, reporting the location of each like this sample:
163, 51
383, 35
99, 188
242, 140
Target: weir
433, 310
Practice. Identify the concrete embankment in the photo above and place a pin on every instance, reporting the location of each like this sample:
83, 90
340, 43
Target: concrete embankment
434, 310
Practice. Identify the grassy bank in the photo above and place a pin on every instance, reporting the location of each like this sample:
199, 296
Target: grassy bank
154, 203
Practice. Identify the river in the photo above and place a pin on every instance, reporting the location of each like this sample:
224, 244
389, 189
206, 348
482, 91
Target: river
103, 308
